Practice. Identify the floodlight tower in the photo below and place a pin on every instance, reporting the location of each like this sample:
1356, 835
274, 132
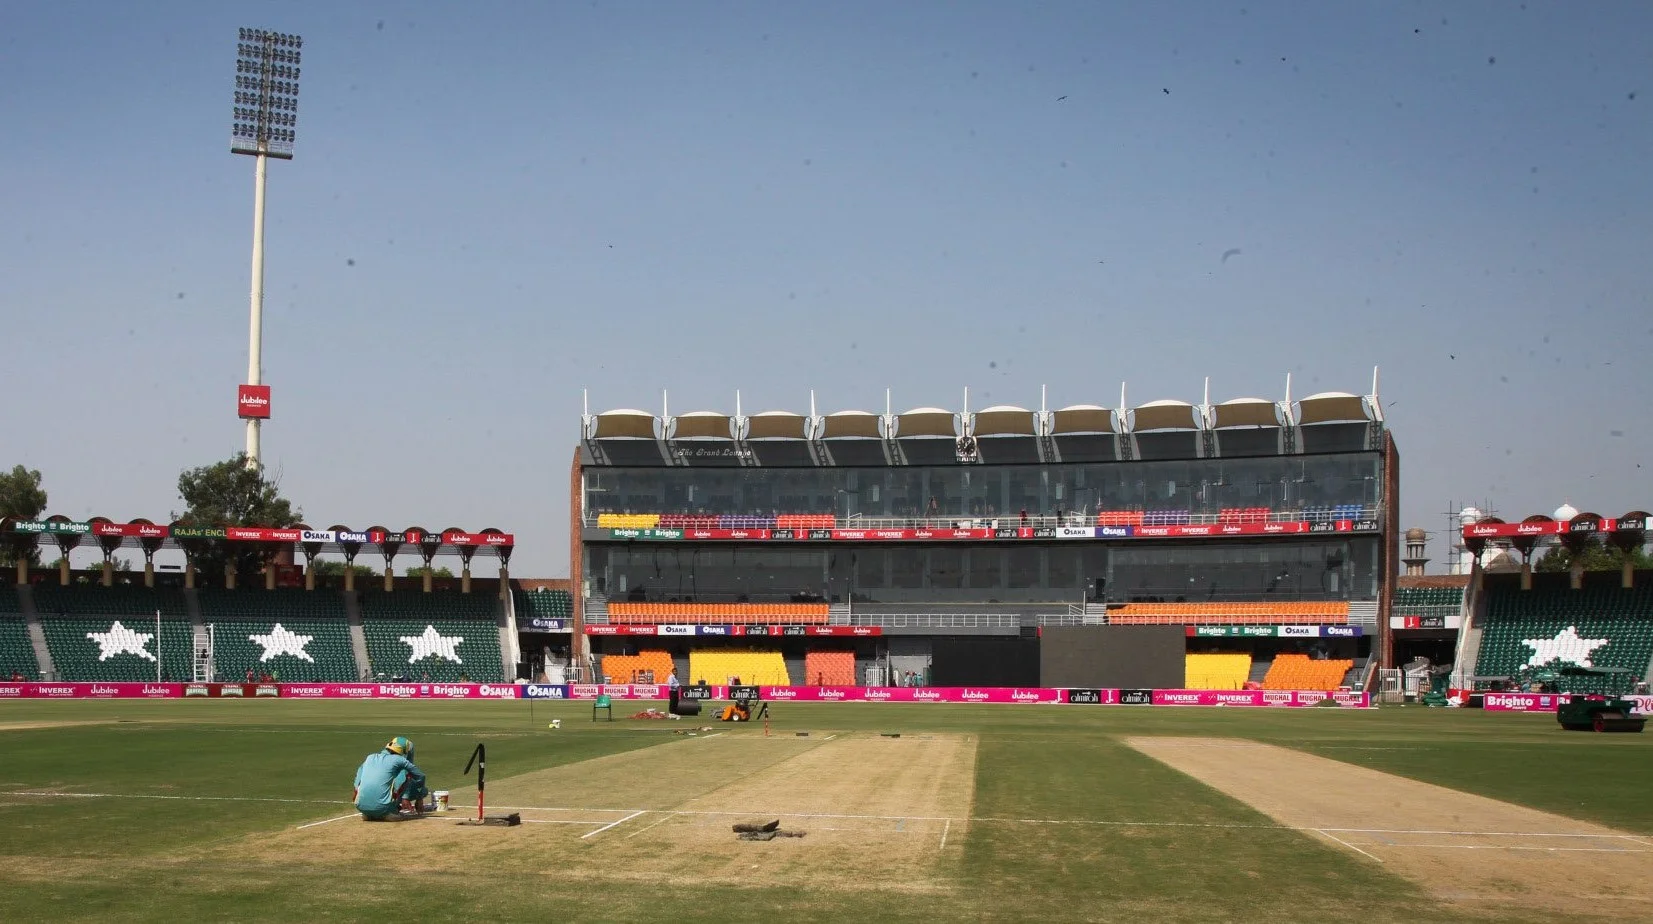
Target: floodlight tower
265, 123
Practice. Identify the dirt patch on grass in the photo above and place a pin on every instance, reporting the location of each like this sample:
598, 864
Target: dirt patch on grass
1462, 847
30, 726
873, 809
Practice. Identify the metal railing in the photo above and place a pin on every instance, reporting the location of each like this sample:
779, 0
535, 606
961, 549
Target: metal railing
938, 620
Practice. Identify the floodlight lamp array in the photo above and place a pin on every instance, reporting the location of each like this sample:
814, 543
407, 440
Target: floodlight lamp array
265, 116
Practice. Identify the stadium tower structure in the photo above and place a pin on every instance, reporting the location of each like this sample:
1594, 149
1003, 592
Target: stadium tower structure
1082, 546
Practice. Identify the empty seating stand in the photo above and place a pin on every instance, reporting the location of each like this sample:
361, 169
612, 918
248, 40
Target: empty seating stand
718, 613
550, 604
628, 520
311, 644
766, 668
1285, 612
413, 635
108, 633
829, 668
16, 651
1301, 672
1216, 671
1601, 625
642, 667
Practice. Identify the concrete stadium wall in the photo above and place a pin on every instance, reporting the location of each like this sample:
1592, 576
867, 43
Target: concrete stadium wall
1126, 657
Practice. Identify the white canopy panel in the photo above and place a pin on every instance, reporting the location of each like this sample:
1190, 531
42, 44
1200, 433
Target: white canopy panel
625, 422
925, 421
712, 424
781, 424
1331, 407
1083, 418
1004, 419
1245, 412
1163, 415
850, 423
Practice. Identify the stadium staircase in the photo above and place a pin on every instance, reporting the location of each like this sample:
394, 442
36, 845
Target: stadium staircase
72, 617
358, 635
18, 654
1601, 625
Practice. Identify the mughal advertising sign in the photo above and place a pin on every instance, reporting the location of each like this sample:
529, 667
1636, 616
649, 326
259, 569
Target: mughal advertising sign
1274, 631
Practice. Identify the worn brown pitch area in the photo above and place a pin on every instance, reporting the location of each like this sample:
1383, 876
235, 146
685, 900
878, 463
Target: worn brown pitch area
1461, 847
873, 809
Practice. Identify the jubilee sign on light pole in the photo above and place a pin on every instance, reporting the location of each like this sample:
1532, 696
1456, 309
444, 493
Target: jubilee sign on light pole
265, 126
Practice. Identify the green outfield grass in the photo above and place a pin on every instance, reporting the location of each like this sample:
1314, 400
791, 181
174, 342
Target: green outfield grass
189, 791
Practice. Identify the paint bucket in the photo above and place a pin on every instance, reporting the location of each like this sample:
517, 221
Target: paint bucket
441, 800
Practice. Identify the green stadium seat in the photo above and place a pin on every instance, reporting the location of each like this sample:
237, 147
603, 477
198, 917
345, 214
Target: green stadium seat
108, 633
16, 651
551, 604
412, 634
314, 623
1615, 627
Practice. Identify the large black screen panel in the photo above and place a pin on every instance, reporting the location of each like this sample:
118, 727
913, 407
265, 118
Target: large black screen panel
984, 661
1108, 657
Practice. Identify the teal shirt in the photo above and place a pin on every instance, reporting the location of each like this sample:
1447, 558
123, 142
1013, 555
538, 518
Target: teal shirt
380, 776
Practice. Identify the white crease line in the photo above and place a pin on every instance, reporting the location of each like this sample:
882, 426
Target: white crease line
829, 737
1347, 844
944, 829
712, 735
1636, 840
611, 824
115, 795
327, 821
657, 824
1518, 847
557, 821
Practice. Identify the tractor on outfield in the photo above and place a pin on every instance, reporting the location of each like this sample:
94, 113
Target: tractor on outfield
1596, 712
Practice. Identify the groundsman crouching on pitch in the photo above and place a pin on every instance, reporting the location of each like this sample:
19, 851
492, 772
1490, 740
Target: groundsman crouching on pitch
389, 785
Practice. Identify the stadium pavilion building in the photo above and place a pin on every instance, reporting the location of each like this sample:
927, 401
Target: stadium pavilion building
1167, 544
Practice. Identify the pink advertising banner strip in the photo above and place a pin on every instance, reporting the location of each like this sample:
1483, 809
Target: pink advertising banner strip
255, 690
401, 691
1550, 702
91, 690
1347, 699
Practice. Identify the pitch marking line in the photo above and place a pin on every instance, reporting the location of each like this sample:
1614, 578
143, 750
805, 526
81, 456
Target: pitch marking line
327, 821
711, 736
612, 824
944, 829
647, 828
1345, 843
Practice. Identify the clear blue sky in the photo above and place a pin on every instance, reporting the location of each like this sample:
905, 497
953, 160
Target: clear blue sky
496, 206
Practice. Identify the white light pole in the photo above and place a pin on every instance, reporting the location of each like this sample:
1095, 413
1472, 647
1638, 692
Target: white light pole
266, 115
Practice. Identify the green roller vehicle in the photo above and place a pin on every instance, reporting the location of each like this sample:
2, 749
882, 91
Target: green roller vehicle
1598, 712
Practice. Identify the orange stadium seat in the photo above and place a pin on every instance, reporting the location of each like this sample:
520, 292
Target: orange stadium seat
830, 668
636, 668
718, 613
1300, 672
1251, 613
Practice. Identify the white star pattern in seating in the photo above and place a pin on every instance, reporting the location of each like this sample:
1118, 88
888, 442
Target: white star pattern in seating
1567, 647
432, 644
283, 641
120, 640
